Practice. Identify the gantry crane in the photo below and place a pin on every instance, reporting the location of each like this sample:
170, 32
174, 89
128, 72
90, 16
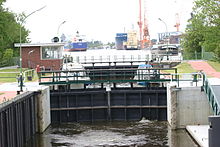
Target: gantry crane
144, 37
140, 23
177, 25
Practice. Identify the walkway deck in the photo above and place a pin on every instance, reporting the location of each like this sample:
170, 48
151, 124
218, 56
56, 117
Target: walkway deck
205, 67
200, 134
9, 90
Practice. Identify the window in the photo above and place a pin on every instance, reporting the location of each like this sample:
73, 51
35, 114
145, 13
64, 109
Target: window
51, 52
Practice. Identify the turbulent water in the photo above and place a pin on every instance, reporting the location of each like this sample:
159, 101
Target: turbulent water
109, 134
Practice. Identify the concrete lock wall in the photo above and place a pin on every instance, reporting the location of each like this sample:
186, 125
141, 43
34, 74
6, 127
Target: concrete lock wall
186, 106
43, 102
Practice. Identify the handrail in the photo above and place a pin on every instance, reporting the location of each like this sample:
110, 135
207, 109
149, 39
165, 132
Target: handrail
191, 77
211, 96
104, 75
113, 58
25, 73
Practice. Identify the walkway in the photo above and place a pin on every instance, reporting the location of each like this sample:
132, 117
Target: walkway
9, 90
7, 95
205, 67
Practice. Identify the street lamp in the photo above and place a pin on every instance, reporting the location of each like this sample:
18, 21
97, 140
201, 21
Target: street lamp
166, 36
20, 77
59, 28
29, 62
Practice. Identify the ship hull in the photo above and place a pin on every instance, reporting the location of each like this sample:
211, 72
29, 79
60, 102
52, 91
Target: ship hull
75, 49
76, 46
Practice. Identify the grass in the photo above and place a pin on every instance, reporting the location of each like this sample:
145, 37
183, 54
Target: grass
183, 67
215, 65
12, 77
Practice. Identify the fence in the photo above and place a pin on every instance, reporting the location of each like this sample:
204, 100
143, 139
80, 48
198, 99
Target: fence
188, 79
198, 56
28, 75
10, 62
18, 120
105, 75
112, 58
213, 99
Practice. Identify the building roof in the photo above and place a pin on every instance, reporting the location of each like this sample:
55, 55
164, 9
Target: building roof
39, 44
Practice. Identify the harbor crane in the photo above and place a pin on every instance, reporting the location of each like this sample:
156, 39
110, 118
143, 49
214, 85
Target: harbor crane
144, 37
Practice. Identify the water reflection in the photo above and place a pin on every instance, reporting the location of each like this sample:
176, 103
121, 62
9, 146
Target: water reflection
112, 134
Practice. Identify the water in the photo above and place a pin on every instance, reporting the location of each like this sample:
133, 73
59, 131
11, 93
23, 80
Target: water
112, 134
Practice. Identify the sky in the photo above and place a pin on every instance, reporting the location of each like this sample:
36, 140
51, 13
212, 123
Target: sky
98, 19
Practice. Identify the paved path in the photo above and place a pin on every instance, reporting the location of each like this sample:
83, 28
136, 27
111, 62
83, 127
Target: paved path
205, 67
7, 95
9, 90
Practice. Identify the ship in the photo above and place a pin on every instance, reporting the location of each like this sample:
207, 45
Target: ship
126, 41
120, 41
78, 43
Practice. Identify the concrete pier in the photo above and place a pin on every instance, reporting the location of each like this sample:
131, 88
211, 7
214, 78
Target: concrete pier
43, 112
186, 106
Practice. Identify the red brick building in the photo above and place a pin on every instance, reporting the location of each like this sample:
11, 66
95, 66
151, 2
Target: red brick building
47, 55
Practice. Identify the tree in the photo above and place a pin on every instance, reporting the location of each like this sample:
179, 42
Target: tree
204, 28
95, 44
10, 29
8, 54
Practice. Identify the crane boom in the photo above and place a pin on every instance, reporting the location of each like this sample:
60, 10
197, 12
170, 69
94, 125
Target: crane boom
144, 38
140, 23
177, 25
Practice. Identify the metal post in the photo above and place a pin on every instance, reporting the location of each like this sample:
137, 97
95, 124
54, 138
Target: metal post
166, 36
108, 90
21, 77
29, 62
59, 28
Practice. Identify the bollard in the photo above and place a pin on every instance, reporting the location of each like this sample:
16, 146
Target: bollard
214, 131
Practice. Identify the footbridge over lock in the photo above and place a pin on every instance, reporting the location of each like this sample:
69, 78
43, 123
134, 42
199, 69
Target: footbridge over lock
111, 94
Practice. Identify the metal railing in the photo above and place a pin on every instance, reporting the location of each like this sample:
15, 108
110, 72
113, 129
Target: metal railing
211, 96
106, 75
14, 75
112, 58
189, 79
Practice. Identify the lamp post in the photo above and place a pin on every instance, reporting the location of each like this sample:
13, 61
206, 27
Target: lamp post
21, 77
166, 36
29, 62
59, 27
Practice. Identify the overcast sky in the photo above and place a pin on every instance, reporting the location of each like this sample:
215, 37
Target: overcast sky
98, 19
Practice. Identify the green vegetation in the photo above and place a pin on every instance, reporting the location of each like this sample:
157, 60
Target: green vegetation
95, 44
10, 33
183, 67
99, 44
215, 65
203, 30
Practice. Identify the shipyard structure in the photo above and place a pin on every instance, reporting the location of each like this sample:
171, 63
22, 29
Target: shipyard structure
127, 41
